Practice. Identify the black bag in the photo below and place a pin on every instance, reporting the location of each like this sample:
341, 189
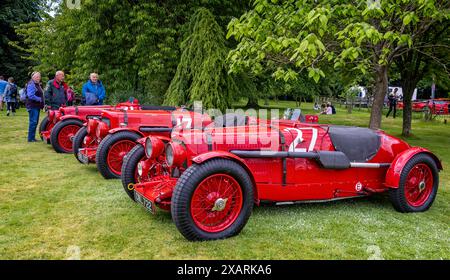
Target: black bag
13, 91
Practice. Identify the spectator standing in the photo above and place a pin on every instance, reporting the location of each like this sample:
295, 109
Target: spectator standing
93, 92
34, 103
55, 93
10, 97
392, 99
3, 85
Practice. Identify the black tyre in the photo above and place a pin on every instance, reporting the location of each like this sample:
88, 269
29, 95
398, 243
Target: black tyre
418, 187
129, 166
43, 127
63, 133
78, 141
200, 191
112, 150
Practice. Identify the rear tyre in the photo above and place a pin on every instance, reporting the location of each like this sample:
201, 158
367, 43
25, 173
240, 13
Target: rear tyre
129, 166
63, 133
212, 200
112, 150
418, 187
78, 141
43, 127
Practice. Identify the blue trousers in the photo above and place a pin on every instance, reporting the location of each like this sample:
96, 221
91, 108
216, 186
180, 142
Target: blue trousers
33, 115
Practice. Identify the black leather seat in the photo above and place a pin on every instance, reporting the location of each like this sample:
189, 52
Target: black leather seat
230, 120
357, 143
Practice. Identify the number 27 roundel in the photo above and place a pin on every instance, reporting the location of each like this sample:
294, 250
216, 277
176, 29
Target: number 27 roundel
304, 139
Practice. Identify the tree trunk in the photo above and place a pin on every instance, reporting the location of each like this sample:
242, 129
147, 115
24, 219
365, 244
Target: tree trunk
408, 86
381, 84
252, 103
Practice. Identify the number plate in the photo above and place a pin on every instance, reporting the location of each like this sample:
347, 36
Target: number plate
148, 205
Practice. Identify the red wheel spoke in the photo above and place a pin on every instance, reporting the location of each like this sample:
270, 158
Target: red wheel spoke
418, 185
65, 135
116, 153
216, 202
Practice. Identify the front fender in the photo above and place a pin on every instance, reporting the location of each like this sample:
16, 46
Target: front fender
223, 154
118, 129
71, 117
392, 179
163, 138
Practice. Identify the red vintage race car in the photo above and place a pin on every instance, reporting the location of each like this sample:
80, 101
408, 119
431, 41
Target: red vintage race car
436, 107
107, 139
210, 186
59, 126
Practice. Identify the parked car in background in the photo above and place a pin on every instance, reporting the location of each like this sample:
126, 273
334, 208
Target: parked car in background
106, 139
60, 126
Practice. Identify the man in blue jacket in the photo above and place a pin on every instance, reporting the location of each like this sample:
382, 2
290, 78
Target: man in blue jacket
93, 92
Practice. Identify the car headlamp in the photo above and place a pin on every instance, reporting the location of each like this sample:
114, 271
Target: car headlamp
51, 115
91, 125
57, 116
154, 147
139, 169
175, 154
148, 147
102, 130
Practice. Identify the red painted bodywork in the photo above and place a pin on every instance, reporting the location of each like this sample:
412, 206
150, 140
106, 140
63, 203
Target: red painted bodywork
305, 179
80, 113
437, 107
395, 170
135, 121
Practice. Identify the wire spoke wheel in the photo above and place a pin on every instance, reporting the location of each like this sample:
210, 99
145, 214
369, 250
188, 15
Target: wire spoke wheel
419, 182
419, 185
65, 136
216, 203
116, 154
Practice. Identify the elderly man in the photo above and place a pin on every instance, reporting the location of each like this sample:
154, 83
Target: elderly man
93, 91
55, 92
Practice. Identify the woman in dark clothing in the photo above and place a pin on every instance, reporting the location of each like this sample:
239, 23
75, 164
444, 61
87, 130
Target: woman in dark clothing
11, 97
34, 103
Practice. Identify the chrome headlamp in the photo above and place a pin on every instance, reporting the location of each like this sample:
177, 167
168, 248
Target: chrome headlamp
175, 154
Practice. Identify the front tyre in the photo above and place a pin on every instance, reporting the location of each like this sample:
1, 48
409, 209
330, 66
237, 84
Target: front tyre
78, 141
63, 133
112, 150
43, 127
129, 168
212, 200
418, 187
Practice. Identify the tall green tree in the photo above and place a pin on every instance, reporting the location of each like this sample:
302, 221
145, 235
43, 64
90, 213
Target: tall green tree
134, 45
429, 56
202, 73
293, 36
13, 13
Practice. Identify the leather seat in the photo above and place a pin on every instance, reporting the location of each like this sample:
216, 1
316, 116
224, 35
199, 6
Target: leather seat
230, 120
357, 143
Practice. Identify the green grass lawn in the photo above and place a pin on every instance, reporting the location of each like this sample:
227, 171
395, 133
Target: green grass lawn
51, 206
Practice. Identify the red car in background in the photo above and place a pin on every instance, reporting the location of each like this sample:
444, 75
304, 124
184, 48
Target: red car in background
60, 126
106, 139
437, 106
